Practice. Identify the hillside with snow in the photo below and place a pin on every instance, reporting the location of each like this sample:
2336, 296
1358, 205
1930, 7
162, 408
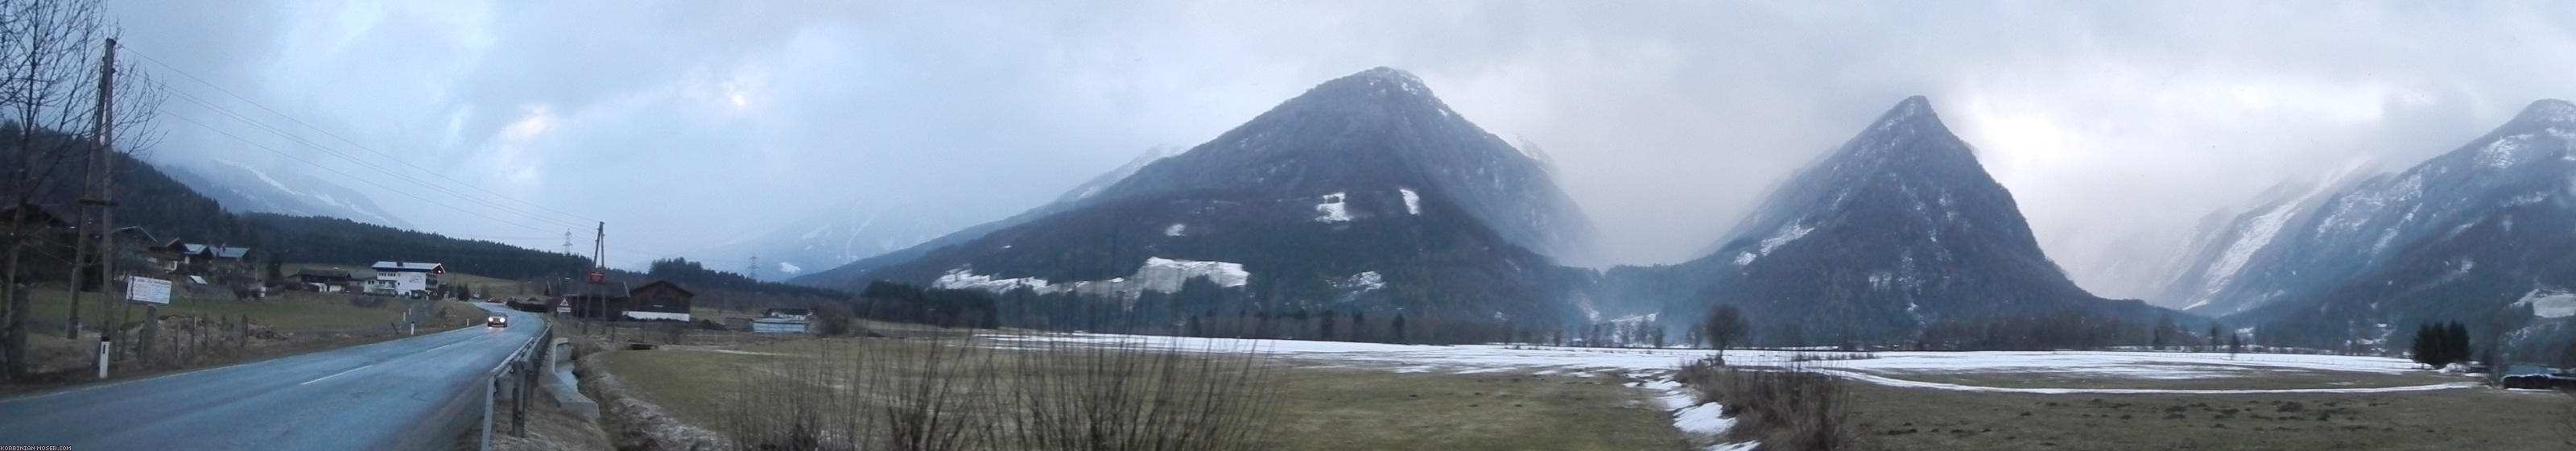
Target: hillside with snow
2467, 234
1365, 194
1898, 229
242, 188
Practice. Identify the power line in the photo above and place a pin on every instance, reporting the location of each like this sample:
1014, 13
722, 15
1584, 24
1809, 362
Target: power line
167, 113
227, 92
360, 162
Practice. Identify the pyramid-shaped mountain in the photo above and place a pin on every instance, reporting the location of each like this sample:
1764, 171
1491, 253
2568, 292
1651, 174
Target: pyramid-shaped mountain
1366, 194
1898, 228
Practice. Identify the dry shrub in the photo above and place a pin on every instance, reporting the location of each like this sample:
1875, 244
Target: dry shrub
1786, 408
970, 392
1831, 356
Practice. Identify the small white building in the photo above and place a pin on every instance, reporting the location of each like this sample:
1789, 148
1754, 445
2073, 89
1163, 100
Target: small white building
404, 278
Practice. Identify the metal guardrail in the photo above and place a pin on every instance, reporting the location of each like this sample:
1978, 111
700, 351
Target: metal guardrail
520, 371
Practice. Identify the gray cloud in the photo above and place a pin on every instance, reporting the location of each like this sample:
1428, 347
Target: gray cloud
2116, 124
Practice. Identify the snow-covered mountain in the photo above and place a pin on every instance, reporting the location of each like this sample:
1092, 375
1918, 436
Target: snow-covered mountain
241, 187
1102, 182
824, 242
1898, 228
1364, 194
2226, 239
2456, 237
847, 274
838, 235
1383, 125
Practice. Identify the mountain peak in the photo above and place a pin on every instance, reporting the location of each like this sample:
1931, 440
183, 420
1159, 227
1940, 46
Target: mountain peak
1915, 108
2548, 111
1380, 81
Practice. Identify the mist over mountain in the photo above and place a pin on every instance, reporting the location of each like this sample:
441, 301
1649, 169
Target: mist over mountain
1898, 228
2476, 234
242, 188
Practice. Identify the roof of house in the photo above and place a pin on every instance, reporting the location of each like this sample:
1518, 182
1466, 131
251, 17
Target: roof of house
138, 232
405, 266
674, 286
233, 253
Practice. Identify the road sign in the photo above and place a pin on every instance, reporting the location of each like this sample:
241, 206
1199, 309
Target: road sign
145, 289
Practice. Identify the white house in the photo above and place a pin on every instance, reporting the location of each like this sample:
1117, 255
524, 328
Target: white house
405, 278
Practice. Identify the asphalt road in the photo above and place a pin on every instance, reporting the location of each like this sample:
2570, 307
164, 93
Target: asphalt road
375, 396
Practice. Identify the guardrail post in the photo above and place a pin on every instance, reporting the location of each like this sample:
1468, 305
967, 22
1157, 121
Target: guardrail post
488, 387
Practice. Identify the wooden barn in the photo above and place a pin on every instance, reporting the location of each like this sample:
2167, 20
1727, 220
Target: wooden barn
659, 301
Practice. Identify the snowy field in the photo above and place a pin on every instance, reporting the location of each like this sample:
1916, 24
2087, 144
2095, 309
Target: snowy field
1886, 368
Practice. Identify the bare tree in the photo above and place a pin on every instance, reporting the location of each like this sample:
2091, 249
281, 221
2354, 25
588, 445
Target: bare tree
1725, 326
49, 86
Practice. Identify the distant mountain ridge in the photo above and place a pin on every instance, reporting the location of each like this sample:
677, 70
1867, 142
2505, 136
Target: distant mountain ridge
244, 189
1896, 229
837, 235
2463, 235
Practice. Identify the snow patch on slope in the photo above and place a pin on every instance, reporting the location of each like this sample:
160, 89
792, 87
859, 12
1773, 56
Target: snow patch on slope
1157, 274
1362, 282
790, 268
1177, 229
2256, 235
1412, 202
1333, 209
2549, 302
2504, 152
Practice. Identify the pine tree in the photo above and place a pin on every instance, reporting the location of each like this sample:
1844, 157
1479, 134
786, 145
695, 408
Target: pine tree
2164, 329
2427, 341
1325, 332
1399, 328
2456, 340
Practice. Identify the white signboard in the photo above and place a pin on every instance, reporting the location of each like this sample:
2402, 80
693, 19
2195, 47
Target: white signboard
143, 289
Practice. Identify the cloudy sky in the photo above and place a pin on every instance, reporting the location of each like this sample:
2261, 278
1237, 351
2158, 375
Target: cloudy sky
684, 125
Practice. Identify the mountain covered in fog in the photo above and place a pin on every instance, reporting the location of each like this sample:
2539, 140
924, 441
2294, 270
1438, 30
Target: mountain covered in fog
1364, 194
2462, 236
1898, 228
244, 189
838, 235
826, 243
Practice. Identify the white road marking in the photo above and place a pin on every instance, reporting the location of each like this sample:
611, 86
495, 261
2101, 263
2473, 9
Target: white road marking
444, 346
319, 379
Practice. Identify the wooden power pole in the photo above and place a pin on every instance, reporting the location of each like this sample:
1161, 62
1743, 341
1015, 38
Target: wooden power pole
98, 203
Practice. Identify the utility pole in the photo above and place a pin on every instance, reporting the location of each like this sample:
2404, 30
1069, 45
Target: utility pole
752, 271
97, 206
599, 278
567, 242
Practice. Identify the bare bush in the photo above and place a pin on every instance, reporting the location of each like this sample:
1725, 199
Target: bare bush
1831, 356
1784, 408
969, 392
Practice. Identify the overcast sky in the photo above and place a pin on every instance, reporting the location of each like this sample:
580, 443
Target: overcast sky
687, 123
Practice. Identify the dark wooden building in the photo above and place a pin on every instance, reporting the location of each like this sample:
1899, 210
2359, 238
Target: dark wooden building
603, 306
660, 300
657, 301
